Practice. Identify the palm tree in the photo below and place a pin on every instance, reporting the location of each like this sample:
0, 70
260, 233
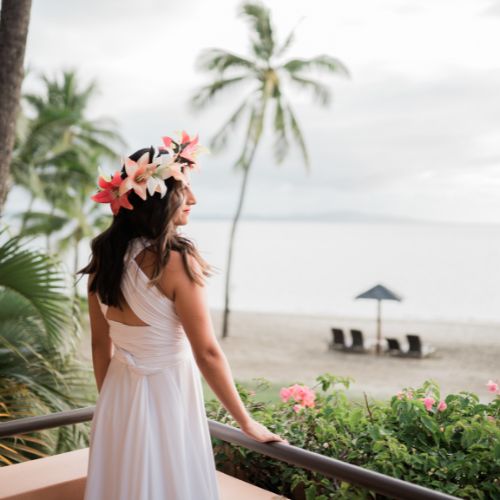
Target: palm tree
14, 22
55, 158
263, 69
39, 339
73, 215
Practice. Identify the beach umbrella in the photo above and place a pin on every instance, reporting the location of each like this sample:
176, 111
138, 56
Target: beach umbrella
379, 293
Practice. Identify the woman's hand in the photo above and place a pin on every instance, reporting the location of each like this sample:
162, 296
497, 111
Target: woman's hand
260, 432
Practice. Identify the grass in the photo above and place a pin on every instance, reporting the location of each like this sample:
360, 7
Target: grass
267, 394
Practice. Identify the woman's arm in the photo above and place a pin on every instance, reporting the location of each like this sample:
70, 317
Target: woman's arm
102, 347
192, 308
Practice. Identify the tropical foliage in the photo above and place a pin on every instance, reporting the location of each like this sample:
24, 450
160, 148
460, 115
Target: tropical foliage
266, 75
40, 372
57, 151
450, 444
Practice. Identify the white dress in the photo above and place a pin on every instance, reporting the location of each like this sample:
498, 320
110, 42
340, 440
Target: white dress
149, 437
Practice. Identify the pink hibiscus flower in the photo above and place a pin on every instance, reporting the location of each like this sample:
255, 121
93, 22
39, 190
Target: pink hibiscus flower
492, 386
442, 406
285, 394
302, 395
428, 403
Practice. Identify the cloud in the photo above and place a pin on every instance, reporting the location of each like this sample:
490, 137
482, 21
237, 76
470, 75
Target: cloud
492, 8
415, 130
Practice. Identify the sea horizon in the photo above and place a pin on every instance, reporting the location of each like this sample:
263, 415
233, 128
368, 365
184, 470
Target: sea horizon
445, 270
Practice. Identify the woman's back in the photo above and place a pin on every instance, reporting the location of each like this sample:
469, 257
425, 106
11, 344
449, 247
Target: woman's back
149, 436
145, 260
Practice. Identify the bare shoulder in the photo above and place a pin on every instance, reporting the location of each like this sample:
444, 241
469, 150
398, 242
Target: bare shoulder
175, 264
175, 278
191, 305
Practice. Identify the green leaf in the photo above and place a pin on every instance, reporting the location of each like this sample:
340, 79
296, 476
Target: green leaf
40, 281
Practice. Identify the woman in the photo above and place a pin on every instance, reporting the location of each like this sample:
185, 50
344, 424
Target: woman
152, 336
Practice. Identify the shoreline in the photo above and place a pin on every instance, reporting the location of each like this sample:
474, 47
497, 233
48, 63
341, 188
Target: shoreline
293, 348
367, 318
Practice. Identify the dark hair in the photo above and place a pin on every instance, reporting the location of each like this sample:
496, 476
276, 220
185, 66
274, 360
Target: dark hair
151, 219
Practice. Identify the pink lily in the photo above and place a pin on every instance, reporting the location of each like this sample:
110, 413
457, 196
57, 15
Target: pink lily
110, 193
188, 155
138, 173
172, 169
167, 141
185, 137
190, 151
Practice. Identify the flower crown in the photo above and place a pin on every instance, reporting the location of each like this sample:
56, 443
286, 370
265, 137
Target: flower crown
144, 177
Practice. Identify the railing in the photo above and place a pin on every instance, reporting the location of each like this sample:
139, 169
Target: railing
330, 467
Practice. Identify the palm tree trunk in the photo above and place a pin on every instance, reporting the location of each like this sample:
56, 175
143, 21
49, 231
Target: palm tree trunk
14, 22
225, 320
256, 135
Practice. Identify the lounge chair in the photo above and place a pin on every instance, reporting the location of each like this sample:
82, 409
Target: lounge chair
358, 344
393, 347
416, 348
338, 341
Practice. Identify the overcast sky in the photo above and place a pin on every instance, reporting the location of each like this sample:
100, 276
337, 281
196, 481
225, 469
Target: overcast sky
415, 131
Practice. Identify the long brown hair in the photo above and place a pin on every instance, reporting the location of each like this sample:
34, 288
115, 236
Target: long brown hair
152, 219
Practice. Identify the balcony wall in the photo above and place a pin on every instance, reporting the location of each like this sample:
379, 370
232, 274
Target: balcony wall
61, 477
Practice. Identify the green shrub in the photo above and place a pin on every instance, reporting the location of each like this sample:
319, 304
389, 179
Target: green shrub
454, 449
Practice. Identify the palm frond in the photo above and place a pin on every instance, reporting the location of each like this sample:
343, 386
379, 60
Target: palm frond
262, 38
253, 133
207, 93
219, 140
288, 40
39, 373
281, 144
36, 223
242, 161
320, 91
322, 62
297, 133
39, 279
220, 60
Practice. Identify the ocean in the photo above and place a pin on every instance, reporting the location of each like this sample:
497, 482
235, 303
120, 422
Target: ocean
444, 272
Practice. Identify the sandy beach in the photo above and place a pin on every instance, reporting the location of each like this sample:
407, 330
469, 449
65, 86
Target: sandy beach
287, 348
